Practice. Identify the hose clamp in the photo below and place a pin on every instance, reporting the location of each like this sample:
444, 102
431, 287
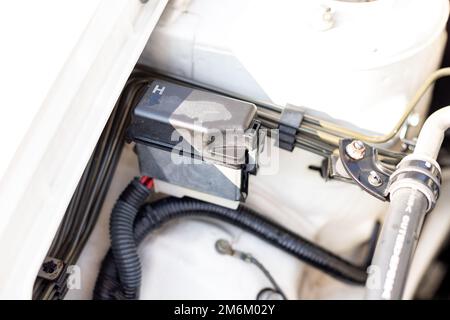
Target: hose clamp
418, 173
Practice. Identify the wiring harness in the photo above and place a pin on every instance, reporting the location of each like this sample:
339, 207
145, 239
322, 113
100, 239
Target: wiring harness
120, 273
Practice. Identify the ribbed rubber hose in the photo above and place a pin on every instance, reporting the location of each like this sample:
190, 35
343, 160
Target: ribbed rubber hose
153, 216
123, 245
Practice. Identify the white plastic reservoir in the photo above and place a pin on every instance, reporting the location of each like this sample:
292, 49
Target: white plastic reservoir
357, 61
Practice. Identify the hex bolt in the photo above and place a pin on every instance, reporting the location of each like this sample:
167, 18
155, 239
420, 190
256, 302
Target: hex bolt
356, 150
374, 179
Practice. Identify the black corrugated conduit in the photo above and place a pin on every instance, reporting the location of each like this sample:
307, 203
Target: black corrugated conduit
120, 273
123, 245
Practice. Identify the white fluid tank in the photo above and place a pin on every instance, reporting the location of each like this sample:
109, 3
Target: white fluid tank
357, 61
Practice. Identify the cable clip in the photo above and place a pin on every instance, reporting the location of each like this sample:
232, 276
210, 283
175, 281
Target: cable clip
290, 120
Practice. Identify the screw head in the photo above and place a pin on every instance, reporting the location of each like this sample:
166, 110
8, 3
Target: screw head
356, 150
374, 179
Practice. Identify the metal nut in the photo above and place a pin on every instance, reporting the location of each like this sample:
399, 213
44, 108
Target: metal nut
356, 150
374, 179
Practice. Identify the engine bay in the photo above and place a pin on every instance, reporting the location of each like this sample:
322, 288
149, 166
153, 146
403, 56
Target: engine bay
267, 150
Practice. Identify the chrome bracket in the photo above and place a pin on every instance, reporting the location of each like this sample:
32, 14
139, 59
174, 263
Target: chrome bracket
366, 170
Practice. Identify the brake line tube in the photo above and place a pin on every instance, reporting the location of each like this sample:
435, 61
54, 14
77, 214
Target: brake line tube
438, 74
331, 132
414, 190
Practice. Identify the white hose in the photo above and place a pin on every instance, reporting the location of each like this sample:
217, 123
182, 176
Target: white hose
432, 134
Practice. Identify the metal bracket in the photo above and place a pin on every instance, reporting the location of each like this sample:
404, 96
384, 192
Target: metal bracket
362, 165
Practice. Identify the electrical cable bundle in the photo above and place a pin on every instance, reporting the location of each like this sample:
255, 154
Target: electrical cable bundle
85, 205
120, 272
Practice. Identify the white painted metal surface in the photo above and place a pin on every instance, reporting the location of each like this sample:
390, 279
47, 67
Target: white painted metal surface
64, 63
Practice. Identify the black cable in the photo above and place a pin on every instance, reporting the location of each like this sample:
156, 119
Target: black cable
224, 247
155, 215
372, 244
276, 287
273, 294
